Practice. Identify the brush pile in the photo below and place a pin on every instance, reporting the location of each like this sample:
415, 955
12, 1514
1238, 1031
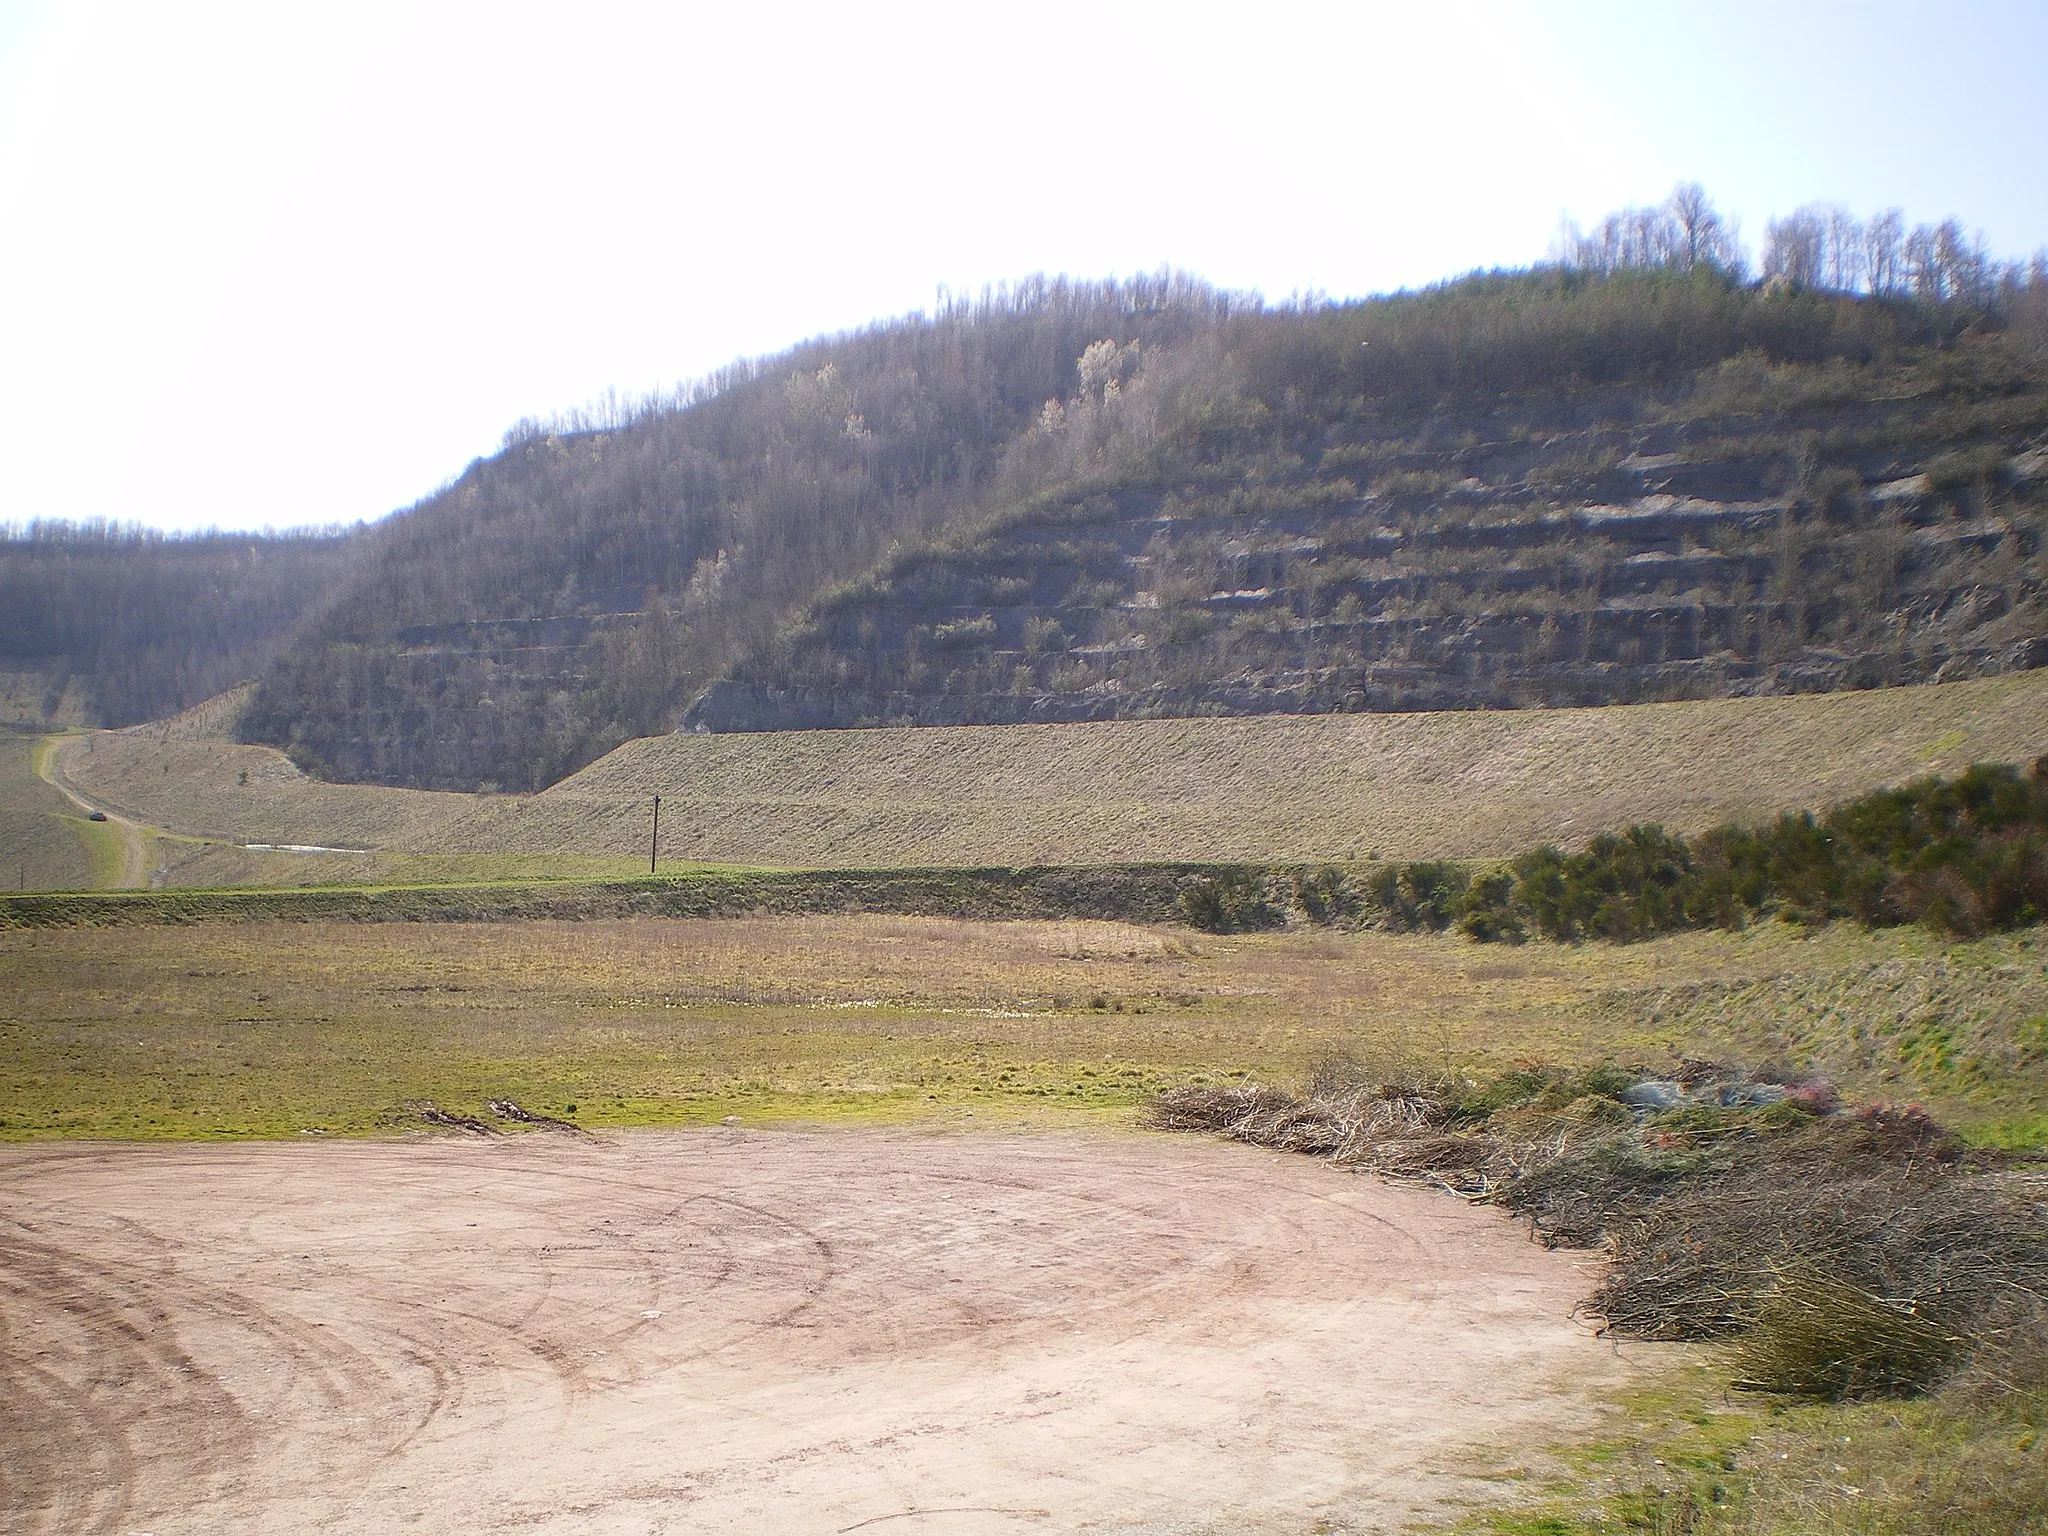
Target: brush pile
434, 1114
505, 1109
1846, 1252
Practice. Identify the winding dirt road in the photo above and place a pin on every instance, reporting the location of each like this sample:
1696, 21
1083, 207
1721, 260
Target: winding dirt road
777, 1332
135, 850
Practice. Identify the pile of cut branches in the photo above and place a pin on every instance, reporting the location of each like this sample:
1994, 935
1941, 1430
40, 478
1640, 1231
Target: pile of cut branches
1847, 1252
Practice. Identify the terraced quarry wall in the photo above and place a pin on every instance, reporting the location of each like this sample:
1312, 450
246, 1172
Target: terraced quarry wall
1467, 783
1761, 535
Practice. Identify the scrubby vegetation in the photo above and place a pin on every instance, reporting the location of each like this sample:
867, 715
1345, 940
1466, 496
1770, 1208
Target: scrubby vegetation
1155, 893
1965, 856
1849, 1252
1231, 901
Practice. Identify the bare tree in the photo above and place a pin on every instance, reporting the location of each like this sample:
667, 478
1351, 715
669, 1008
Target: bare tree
1702, 234
1795, 248
1882, 261
1844, 264
1683, 232
1633, 238
1942, 263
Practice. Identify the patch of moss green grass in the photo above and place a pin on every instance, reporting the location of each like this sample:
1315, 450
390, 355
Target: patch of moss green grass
238, 1030
1671, 1451
280, 1075
1683, 1455
103, 847
1962, 1026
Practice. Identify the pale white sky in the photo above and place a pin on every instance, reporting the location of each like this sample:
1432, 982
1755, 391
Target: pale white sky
277, 264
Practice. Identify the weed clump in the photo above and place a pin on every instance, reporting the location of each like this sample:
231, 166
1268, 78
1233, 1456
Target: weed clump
1820, 1336
1230, 901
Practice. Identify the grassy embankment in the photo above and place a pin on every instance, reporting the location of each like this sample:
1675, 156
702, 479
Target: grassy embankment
1467, 785
1476, 784
1133, 893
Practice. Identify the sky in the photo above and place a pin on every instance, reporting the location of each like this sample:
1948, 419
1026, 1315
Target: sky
270, 265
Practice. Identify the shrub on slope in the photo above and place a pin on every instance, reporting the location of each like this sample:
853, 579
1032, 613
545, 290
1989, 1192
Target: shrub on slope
1964, 855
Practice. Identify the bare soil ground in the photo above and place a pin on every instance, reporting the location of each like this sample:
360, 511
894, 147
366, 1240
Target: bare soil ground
736, 1330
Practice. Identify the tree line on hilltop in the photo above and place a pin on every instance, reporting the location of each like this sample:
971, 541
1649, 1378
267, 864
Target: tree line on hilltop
1820, 246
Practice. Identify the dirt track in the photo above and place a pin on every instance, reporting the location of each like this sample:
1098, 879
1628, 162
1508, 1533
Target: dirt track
135, 860
739, 1331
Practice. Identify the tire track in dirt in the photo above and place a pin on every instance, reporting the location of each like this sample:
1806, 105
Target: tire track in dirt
82, 1351
755, 1331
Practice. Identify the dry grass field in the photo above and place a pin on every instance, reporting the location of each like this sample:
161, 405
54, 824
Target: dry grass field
216, 790
1457, 785
273, 1029
1454, 785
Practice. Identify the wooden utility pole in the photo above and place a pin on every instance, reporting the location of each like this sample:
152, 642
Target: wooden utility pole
654, 840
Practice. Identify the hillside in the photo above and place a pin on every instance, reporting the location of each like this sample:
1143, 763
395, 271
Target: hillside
1630, 476
1457, 784
1118, 502
111, 626
1760, 529
581, 587
44, 842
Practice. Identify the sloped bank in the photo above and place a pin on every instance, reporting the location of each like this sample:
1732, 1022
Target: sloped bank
1150, 893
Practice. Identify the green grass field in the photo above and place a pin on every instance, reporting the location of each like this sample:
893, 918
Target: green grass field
229, 1029
268, 1029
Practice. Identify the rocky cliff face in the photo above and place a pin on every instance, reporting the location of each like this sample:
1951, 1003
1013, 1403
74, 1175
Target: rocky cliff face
1643, 551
